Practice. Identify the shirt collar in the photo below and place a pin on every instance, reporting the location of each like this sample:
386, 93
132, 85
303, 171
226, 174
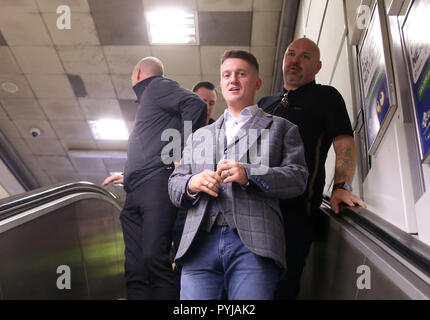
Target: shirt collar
247, 112
139, 87
303, 87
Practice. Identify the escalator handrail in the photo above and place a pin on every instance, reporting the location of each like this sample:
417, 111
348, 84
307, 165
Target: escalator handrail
407, 246
19, 203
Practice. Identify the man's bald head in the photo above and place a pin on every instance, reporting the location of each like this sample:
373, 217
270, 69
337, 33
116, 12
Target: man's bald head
301, 63
145, 68
309, 45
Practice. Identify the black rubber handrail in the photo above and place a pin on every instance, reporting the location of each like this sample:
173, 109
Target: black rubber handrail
406, 245
19, 203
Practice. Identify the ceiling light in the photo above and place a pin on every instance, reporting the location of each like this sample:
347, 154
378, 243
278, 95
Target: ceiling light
97, 154
171, 27
9, 87
109, 129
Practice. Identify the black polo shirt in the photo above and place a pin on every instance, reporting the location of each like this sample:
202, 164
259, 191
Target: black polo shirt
320, 113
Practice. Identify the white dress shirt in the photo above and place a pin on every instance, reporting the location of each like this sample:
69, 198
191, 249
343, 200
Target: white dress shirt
233, 124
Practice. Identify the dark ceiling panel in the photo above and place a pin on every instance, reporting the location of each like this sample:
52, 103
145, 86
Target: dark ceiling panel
119, 22
225, 28
111, 5
2, 40
128, 109
78, 85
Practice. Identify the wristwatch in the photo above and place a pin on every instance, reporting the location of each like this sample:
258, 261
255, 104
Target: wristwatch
342, 185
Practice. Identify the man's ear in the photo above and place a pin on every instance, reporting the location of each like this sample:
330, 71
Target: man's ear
258, 84
135, 76
319, 66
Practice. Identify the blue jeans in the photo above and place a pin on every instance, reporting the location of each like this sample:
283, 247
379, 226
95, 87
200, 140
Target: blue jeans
219, 266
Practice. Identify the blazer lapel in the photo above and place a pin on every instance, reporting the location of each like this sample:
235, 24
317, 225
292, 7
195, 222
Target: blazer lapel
218, 133
258, 122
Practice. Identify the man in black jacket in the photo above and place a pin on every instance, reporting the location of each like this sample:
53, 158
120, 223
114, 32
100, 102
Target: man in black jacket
320, 113
206, 91
148, 214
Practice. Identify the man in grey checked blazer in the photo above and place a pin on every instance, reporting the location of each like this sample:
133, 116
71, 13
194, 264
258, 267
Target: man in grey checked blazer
231, 176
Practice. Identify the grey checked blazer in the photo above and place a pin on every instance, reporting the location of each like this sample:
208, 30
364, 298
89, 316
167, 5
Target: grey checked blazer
255, 208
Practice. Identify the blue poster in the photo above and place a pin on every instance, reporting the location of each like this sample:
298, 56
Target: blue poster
417, 43
374, 79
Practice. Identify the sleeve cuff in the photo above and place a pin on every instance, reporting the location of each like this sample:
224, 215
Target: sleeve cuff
192, 196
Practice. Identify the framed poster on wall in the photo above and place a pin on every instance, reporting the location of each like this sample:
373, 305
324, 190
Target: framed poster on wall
416, 38
376, 78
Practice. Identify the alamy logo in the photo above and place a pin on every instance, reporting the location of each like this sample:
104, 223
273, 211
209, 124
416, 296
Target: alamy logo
363, 281
253, 147
64, 280
363, 18
63, 21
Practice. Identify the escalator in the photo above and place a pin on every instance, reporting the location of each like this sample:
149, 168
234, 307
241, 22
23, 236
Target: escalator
359, 256
62, 242
65, 242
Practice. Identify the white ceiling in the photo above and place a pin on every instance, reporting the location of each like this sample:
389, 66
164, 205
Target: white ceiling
101, 49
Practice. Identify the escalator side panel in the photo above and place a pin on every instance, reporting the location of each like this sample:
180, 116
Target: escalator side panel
331, 269
98, 225
383, 286
32, 252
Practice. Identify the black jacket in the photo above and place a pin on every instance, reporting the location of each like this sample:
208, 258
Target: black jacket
163, 104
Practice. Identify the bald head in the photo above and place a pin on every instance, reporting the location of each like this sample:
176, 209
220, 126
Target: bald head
301, 63
145, 68
309, 45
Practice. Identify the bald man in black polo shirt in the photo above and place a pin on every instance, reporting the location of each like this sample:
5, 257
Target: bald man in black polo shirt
320, 113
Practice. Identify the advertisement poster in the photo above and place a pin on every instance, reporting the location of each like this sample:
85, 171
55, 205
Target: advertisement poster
417, 44
374, 79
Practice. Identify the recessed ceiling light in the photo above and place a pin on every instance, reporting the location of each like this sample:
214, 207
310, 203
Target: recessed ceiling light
172, 27
109, 129
9, 87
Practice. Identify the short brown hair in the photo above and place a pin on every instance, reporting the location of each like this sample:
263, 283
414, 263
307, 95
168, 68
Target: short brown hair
240, 54
204, 84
